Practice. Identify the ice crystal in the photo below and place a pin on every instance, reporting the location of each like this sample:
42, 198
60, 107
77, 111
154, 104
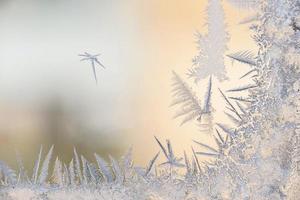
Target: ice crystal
211, 46
258, 158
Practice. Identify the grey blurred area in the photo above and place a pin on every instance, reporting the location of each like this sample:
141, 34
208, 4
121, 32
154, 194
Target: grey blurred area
47, 96
23, 130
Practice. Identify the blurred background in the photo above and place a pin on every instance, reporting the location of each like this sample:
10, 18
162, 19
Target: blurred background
47, 96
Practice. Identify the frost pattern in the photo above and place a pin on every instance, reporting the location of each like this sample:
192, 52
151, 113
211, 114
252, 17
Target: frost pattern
211, 46
259, 158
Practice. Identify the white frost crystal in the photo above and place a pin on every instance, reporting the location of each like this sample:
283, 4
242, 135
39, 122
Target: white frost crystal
258, 159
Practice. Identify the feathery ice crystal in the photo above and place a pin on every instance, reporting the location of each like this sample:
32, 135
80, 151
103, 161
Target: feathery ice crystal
259, 158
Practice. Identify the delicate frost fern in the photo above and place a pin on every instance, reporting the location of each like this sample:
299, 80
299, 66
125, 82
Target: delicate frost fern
190, 105
119, 176
104, 168
257, 160
245, 57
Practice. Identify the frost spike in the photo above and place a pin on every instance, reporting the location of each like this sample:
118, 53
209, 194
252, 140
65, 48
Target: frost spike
245, 57
229, 108
208, 154
77, 166
127, 160
226, 139
205, 146
220, 137
248, 73
220, 144
66, 175
57, 174
37, 166
207, 103
249, 19
187, 164
241, 99
197, 161
85, 174
119, 176
226, 129
233, 119
170, 150
162, 147
240, 107
236, 112
151, 163
72, 173
242, 88
45, 167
